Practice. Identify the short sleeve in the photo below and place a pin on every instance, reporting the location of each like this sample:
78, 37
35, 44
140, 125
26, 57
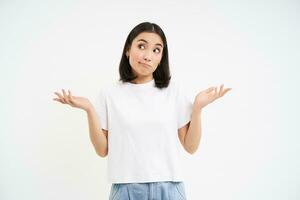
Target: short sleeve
101, 109
184, 104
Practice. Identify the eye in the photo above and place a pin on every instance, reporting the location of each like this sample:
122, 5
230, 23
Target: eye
141, 45
158, 50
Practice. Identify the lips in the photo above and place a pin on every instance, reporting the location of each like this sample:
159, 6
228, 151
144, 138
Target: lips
144, 64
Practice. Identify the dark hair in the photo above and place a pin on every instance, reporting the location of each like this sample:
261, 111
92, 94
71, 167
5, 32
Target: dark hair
162, 73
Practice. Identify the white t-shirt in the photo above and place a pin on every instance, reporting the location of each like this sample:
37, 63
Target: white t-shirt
142, 123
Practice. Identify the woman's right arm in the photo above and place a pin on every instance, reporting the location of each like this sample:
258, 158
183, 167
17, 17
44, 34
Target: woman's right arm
98, 136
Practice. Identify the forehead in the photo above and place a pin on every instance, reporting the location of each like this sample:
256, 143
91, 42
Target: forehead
151, 38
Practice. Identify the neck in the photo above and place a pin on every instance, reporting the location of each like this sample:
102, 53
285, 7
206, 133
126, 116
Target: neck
141, 80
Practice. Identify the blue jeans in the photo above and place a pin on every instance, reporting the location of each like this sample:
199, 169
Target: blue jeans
166, 190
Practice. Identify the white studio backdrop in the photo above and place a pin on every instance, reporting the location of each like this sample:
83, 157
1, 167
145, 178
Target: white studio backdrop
249, 147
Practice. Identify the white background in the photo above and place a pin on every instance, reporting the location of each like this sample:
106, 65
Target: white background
249, 148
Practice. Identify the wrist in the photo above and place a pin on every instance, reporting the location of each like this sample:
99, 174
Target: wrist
197, 109
89, 109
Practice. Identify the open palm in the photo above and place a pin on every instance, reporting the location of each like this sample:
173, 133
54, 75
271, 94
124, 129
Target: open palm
209, 95
74, 101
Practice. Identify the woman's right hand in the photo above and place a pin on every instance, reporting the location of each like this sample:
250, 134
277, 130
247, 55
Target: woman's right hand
77, 102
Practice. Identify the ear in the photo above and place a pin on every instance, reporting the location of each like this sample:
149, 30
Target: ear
127, 52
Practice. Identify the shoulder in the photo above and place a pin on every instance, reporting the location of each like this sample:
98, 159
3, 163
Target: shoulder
177, 86
108, 88
183, 90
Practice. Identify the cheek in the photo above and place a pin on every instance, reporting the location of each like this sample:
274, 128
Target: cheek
137, 56
158, 59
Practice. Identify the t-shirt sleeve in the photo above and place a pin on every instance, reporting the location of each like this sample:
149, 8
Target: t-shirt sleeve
184, 106
101, 109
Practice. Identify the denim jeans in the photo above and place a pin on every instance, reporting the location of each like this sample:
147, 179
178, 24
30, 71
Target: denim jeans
166, 190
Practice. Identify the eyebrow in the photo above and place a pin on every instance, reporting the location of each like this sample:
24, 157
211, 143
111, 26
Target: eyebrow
147, 42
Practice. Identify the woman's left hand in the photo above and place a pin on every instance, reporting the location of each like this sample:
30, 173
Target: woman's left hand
209, 95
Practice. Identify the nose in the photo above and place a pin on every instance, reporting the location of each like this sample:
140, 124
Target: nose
147, 56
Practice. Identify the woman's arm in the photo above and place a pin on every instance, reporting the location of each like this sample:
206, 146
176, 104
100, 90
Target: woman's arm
190, 134
98, 136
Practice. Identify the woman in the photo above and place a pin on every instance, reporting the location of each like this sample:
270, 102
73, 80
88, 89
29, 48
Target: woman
140, 121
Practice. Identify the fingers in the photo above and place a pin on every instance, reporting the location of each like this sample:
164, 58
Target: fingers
61, 98
209, 89
221, 90
59, 95
226, 90
65, 99
70, 97
215, 93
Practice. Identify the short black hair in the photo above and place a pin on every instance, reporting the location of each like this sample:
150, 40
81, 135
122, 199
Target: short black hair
162, 73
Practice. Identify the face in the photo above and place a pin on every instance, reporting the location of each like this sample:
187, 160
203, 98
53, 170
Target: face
145, 54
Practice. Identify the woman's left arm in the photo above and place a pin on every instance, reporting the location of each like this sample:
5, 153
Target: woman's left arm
205, 97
